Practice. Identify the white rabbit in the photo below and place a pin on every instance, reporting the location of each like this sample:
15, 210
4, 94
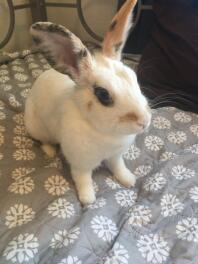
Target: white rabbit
91, 104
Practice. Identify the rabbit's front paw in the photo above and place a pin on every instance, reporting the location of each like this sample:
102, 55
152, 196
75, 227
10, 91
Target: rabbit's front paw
49, 150
126, 178
87, 196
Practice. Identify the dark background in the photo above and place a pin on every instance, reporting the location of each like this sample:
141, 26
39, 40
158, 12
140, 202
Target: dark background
141, 34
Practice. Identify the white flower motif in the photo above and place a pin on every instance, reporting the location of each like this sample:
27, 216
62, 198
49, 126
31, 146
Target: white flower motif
22, 142
43, 60
101, 202
25, 92
143, 170
36, 73
29, 59
17, 68
118, 255
140, 215
95, 186
2, 115
33, 65
112, 183
56, 185
132, 153
6, 87
187, 229
16, 62
19, 119
161, 123
1, 139
13, 102
194, 194
4, 79
61, 208
24, 154
125, 198
22, 186
155, 183
4, 66
70, 260
21, 77
167, 156
182, 173
104, 228
21, 172
26, 52
46, 66
53, 163
24, 85
2, 129
4, 72
177, 137
22, 248
182, 117
63, 238
2, 105
170, 108
153, 248
20, 130
193, 149
13, 55
194, 129
153, 143
18, 215
1, 156
170, 205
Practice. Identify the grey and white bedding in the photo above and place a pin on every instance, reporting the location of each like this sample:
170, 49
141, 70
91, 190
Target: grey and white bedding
41, 219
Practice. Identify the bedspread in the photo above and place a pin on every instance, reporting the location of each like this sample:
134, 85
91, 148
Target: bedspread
41, 219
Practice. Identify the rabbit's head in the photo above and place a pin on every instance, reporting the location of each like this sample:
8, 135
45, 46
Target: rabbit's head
107, 92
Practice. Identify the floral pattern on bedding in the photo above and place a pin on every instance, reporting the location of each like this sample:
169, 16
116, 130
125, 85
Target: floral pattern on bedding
41, 219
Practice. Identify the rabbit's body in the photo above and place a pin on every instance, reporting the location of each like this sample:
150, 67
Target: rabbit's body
52, 116
94, 109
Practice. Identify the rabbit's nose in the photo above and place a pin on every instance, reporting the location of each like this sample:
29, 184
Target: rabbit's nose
142, 125
145, 121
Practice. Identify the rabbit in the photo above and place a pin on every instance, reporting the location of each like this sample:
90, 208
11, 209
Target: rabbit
88, 103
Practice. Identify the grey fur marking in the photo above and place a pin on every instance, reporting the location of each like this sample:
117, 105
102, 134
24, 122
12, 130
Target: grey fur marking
118, 46
82, 54
113, 25
53, 28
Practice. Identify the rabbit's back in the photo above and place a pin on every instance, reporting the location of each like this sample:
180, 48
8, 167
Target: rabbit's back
44, 104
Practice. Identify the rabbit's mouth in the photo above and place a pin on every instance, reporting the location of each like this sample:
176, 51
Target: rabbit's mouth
135, 124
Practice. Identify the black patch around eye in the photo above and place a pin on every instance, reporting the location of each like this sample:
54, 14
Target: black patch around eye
103, 96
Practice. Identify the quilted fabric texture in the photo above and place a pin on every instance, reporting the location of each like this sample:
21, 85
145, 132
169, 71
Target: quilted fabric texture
41, 219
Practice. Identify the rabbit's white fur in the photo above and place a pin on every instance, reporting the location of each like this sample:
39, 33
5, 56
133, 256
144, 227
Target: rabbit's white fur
57, 112
67, 111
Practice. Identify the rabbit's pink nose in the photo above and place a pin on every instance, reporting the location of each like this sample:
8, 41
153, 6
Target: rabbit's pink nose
142, 125
145, 121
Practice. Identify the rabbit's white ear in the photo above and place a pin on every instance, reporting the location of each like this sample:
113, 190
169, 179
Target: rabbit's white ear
63, 50
116, 36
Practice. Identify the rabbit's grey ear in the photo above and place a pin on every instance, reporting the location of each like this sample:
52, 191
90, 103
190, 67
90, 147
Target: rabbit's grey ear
63, 50
117, 34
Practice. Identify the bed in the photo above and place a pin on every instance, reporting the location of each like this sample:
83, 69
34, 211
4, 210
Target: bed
41, 218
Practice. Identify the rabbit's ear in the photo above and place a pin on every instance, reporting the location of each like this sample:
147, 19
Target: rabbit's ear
116, 36
63, 50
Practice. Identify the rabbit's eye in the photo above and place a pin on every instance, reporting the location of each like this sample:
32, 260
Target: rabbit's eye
103, 96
